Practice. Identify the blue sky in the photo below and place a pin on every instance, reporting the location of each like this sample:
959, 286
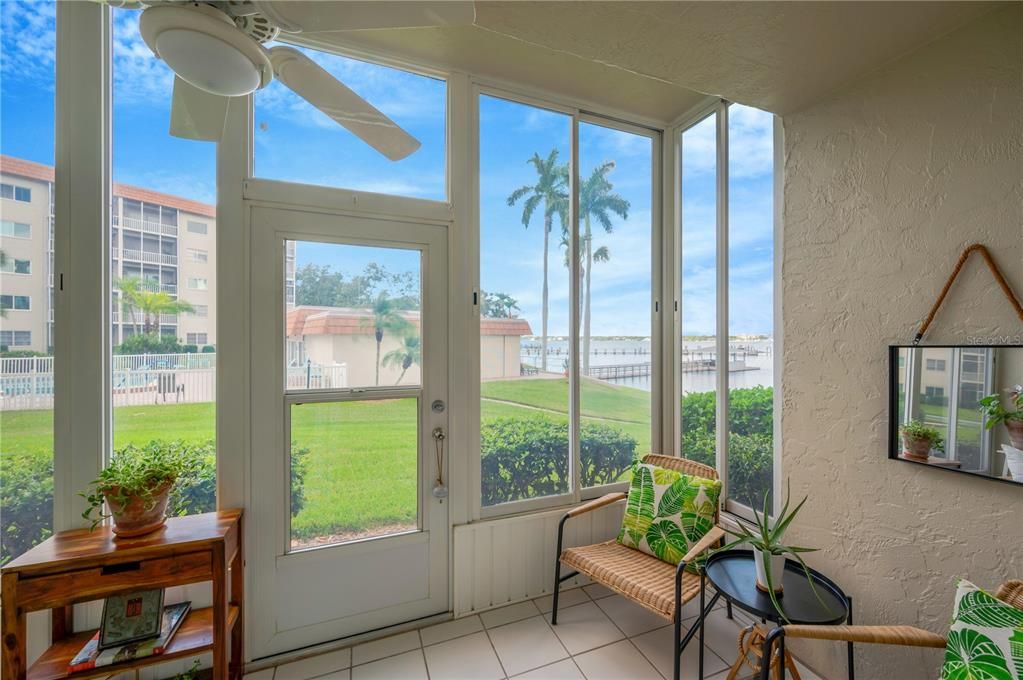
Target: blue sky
295, 142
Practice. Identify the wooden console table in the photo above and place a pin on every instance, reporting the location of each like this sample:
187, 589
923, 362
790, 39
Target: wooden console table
82, 565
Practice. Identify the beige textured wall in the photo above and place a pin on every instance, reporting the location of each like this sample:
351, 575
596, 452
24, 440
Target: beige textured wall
885, 183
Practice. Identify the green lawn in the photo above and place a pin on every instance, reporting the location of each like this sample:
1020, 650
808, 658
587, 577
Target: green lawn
362, 458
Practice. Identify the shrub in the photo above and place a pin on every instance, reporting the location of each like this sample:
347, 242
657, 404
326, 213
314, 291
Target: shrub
26, 499
526, 458
149, 343
26, 490
19, 353
208, 349
190, 349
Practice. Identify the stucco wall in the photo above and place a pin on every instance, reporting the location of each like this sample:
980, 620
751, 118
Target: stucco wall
885, 183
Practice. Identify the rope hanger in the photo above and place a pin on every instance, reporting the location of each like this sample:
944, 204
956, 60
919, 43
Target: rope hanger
995, 271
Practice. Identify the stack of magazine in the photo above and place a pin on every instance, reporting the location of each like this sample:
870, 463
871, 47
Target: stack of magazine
135, 625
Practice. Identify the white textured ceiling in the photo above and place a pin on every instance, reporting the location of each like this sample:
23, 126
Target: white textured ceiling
658, 59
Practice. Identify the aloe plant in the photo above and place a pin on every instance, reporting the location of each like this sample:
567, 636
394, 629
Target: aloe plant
768, 539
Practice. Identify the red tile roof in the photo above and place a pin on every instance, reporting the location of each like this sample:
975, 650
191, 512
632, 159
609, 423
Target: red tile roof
309, 320
44, 173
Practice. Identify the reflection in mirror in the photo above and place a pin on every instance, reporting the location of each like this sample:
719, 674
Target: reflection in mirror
959, 408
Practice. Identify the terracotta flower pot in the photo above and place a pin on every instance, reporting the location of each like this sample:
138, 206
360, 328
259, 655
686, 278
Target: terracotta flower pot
1015, 428
138, 517
916, 448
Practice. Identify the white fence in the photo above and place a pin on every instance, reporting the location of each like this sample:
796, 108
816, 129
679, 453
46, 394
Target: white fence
145, 379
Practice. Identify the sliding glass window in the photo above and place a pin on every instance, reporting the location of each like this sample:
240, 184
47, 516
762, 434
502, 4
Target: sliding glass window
163, 275
538, 444
26, 330
727, 284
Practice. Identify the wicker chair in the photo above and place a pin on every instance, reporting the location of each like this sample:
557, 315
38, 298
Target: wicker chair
658, 586
1010, 592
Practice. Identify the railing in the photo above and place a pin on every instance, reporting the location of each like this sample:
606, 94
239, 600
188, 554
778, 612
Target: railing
146, 379
147, 226
169, 318
149, 258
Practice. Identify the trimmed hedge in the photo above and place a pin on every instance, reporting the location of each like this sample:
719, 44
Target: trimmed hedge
526, 458
26, 491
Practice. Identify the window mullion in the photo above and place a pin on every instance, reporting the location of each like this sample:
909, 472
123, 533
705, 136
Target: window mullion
721, 341
574, 313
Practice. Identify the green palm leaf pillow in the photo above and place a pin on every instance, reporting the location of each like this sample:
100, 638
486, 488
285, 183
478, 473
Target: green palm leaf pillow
986, 638
668, 512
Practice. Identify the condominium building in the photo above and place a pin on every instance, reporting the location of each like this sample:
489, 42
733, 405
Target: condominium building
167, 241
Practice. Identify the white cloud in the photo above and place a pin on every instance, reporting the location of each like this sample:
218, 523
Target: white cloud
750, 144
28, 41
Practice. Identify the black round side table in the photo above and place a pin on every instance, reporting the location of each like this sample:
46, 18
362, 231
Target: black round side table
733, 575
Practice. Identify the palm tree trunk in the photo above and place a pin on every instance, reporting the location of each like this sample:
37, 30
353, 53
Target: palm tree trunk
377, 382
543, 336
588, 274
398, 381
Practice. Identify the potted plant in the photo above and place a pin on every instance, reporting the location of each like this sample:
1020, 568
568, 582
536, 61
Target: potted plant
135, 487
995, 413
769, 552
918, 440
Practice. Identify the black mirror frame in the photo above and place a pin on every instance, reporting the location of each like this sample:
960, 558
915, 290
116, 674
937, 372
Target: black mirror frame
893, 420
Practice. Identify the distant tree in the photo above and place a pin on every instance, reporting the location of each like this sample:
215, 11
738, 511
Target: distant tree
409, 353
597, 201
324, 286
551, 190
385, 318
146, 299
499, 306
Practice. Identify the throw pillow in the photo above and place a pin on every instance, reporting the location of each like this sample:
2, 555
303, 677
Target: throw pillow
668, 512
985, 641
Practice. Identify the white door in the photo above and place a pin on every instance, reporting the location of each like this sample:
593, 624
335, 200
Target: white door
346, 534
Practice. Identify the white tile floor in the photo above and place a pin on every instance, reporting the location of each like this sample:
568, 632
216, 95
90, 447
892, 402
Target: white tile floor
599, 635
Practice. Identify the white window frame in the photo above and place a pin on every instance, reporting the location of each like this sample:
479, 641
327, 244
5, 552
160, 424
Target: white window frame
692, 118
196, 279
198, 255
189, 224
15, 224
10, 266
577, 116
13, 307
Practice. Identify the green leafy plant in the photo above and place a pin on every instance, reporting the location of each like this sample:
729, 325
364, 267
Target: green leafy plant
768, 539
915, 429
191, 674
995, 412
134, 472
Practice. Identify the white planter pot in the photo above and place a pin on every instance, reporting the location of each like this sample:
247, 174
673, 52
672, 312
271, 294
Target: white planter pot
777, 569
1014, 458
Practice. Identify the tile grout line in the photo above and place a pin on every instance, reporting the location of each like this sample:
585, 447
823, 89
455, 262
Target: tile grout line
504, 671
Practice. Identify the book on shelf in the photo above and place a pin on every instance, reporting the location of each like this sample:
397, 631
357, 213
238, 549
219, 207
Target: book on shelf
91, 656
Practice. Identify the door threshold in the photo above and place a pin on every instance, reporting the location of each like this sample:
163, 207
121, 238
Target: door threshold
341, 643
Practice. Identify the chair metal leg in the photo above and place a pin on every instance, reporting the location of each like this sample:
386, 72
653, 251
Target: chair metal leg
557, 571
703, 617
765, 660
849, 645
728, 608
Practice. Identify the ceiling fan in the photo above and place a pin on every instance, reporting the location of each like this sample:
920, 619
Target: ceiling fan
215, 48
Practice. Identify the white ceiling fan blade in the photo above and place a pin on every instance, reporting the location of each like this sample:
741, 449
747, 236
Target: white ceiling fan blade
309, 16
195, 113
318, 87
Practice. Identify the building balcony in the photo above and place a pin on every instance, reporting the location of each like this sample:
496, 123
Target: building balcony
148, 226
171, 288
149, 258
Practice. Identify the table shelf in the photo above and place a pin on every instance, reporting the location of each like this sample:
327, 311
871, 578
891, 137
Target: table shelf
195, 636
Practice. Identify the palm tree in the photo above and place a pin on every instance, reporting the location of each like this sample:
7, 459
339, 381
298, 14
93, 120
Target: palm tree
597, 201
142, 297
410, 352
386, 318
551, 189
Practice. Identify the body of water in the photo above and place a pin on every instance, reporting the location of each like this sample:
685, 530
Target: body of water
617, 352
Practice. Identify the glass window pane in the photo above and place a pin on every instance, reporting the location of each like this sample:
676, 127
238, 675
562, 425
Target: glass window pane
296, 142
164, 358
524, 311
974, 382
354, 470
750, 360
26, 336
356, 321
699, 291
615, 262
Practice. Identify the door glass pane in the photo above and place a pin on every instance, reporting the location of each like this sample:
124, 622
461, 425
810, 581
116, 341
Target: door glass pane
26, 335
296, 142
750, 360
354, 470
699, 291
615, 265
163, 350
353, 319
524, 310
